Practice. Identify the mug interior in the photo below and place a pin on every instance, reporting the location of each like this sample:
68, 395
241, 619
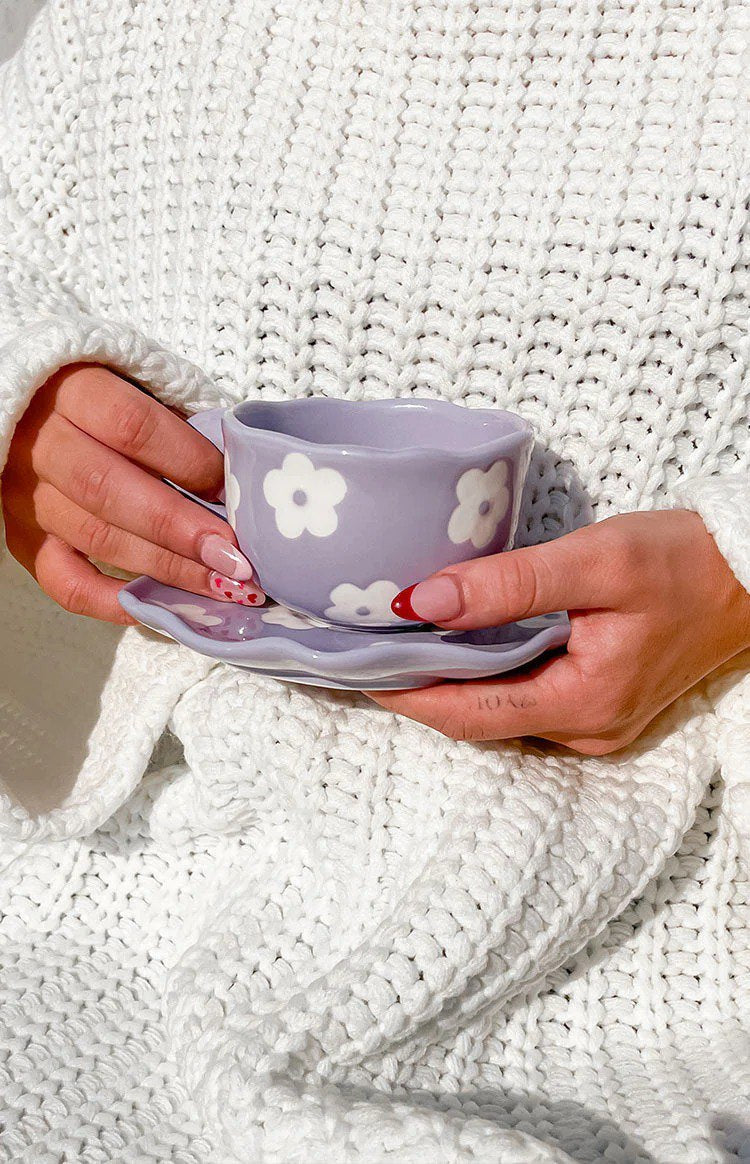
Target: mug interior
381, 425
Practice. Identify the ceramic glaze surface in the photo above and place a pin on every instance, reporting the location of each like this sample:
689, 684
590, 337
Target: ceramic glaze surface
340, 505
280, 642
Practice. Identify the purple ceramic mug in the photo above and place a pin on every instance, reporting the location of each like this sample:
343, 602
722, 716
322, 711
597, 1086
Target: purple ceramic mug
340, 505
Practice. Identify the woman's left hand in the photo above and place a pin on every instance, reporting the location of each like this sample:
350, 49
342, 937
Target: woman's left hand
653, 608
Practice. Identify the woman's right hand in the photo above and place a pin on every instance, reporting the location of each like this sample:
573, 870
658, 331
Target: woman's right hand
82, 481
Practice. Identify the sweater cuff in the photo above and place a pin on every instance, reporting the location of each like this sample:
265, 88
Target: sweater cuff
724, 504
46, 345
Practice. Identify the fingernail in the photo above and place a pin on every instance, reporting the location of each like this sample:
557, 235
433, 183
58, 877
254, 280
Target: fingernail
434, 600
220, 555
230, 590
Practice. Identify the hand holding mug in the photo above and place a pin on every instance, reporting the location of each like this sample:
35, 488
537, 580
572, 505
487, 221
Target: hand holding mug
82, 481
654, 607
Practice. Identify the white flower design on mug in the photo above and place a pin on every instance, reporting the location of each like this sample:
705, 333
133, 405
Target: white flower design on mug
483, 499
353, 604
231, 492
192, 612
303, 497
283, 616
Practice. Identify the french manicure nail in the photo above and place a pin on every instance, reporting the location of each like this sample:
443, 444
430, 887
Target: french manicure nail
434, 600
230, 590
220, 555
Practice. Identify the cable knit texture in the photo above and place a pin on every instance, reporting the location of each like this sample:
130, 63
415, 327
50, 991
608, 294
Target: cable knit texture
314, 932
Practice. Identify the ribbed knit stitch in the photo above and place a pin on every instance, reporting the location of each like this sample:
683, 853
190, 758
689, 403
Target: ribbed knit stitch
315, 932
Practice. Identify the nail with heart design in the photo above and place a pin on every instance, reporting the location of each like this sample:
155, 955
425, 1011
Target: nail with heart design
230, 590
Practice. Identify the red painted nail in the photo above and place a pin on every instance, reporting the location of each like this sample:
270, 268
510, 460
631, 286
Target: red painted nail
402, 606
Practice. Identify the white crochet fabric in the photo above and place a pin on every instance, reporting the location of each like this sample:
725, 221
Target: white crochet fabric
315, 932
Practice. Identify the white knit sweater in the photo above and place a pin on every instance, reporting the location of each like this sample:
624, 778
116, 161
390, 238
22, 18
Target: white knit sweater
315, 932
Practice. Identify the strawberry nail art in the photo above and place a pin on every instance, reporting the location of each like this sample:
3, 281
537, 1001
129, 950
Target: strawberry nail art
231, 590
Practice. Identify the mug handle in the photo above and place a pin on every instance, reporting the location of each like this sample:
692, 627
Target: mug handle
208, 424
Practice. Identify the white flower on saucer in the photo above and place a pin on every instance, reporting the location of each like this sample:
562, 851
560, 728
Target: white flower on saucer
192, 612
351, 604
304, 498
231, 492
483, 498
283, 616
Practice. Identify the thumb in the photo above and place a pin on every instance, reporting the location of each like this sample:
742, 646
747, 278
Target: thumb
564, 574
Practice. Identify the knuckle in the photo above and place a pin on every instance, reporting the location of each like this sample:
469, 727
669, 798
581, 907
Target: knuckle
162, 522
97, 536
91, 485
168, 567
519, 584
137, 426
203, 472
82, 377
625, 552
73, 595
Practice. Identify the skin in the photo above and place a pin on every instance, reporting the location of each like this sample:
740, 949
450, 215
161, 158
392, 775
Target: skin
82, 480
654, 607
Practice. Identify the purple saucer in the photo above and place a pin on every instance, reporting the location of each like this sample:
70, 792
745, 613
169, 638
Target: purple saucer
276, 641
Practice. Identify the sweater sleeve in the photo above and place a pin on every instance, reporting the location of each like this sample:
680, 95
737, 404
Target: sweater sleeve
723, 501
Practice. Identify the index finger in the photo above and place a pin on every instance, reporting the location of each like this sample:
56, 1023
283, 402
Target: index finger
131, 422
544, 700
